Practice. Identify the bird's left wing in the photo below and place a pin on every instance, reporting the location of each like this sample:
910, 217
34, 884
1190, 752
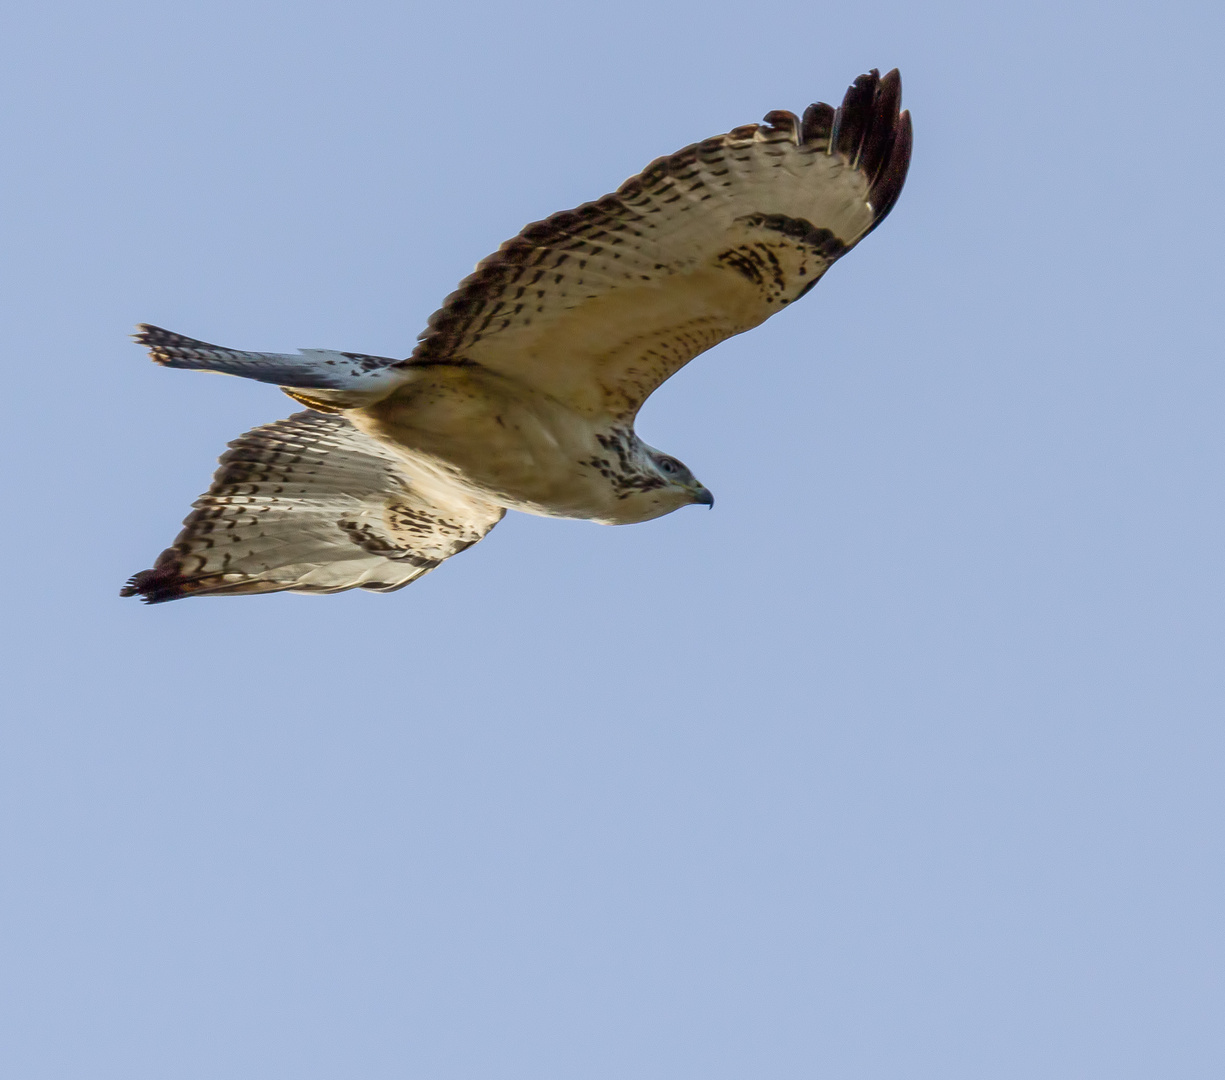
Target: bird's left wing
311, 504
597, 306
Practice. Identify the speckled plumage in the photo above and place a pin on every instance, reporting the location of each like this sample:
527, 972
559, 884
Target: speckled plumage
523, 388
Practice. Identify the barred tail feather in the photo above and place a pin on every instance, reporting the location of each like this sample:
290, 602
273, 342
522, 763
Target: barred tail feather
341, 379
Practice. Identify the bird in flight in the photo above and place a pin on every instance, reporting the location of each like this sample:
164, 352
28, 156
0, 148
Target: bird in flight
523, 388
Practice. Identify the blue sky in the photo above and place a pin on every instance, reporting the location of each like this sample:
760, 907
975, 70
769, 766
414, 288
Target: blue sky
904, 761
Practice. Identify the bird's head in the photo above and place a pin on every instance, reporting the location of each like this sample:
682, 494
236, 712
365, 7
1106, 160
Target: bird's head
652, 484
679, 479
642, 483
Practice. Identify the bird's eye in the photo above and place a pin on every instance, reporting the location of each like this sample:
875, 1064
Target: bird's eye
668, 466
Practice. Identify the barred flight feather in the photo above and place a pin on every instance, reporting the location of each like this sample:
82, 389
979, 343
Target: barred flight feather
310, 504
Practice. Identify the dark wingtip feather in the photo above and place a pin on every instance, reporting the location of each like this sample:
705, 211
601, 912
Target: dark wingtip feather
870, 132
879, 133
854, 116
783, 120
818, 122
888, 184
158, 585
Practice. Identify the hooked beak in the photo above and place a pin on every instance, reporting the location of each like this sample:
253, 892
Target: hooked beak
702, 496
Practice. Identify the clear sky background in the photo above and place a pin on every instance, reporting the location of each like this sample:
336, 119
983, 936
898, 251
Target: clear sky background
903, 762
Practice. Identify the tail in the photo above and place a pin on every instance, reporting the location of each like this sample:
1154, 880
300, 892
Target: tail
344, 380
310, 504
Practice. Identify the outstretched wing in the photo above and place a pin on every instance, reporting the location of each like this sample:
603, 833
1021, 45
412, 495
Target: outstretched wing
310, 504
598, 306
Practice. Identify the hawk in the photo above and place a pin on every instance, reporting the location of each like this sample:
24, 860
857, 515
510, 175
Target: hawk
524, 386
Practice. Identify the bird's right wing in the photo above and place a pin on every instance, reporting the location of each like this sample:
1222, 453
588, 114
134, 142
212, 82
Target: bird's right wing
310, 504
